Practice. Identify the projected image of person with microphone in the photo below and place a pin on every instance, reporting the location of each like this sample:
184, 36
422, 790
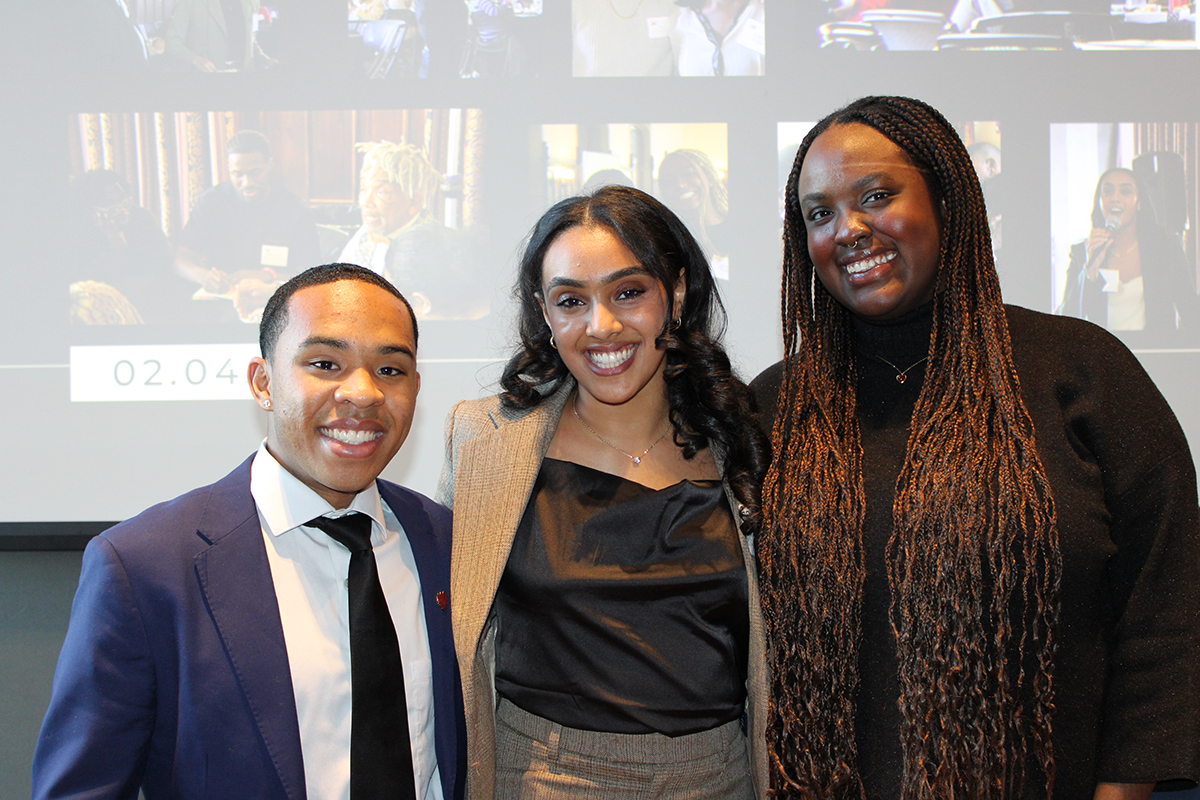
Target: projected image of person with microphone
1130, 274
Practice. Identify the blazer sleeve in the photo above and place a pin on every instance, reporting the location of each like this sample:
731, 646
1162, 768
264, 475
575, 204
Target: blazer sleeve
1083, 298
95, 738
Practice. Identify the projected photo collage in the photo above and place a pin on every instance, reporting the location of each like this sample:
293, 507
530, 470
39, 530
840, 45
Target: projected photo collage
418, 39
194, 218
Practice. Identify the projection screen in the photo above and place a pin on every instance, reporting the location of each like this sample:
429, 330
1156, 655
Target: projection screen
146, 225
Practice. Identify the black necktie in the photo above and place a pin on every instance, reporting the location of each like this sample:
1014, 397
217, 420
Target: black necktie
380, 756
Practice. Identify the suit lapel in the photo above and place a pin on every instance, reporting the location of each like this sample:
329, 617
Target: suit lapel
495, 476
431, 569
235, 579
418, 531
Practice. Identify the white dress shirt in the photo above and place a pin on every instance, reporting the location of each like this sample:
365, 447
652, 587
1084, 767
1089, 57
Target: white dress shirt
310, 571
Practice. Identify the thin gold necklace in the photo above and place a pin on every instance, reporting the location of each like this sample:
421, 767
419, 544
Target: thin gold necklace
635, 459
901, 374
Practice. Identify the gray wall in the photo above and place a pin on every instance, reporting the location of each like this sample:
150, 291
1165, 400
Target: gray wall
35, 603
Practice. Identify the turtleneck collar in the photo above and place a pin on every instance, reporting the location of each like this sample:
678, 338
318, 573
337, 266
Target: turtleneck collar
905, 337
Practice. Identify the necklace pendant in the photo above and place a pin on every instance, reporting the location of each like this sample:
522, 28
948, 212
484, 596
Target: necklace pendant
637, 460
901, 378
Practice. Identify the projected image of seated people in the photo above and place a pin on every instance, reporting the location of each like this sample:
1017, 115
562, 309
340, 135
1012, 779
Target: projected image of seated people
402, 240
246, 234
221, 217
660, 37
196, 248
118, 256
1128, 269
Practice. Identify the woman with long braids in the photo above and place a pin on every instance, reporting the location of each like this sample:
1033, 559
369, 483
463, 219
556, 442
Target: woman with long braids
979, 560
605, 605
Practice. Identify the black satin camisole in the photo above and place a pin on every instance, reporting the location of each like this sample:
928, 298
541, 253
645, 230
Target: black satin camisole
622, 608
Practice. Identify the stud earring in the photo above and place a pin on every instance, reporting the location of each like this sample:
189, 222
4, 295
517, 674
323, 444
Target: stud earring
267, 405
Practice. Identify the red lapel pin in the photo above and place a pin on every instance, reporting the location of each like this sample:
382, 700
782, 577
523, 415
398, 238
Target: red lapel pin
443, 600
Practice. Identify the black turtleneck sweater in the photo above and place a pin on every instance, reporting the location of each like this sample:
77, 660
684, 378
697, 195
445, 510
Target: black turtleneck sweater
1128, 665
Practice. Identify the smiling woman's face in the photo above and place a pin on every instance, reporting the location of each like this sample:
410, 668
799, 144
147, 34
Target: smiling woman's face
606, 312
874, 234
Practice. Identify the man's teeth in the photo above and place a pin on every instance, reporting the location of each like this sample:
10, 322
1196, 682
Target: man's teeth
870, 263
609, 359
351, 437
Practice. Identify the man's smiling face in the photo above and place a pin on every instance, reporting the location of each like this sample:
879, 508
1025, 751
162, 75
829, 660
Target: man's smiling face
342, 385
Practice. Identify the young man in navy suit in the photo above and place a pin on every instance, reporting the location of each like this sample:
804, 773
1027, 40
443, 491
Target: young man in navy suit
208, 653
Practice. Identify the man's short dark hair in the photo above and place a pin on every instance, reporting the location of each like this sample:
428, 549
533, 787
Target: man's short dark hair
275, 314
246, 142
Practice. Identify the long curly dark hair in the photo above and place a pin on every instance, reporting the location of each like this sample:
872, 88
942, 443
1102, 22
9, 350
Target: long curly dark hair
973, 561
708, 403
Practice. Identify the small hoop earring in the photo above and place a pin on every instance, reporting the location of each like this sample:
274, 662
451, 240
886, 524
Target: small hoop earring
552, 343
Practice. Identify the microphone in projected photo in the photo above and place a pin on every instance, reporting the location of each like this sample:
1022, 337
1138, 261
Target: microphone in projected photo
1100, 253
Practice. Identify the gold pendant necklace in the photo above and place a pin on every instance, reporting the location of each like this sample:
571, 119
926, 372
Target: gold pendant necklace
635, 459
901, 374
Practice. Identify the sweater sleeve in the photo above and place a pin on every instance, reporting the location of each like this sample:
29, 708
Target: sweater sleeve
1151, 702
1152, 707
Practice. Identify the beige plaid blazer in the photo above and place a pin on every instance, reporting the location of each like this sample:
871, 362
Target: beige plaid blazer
493, 456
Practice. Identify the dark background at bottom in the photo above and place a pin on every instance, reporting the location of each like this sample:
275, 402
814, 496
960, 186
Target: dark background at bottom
36, 589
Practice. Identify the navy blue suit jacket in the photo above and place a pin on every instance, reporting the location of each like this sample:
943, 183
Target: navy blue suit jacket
174, 675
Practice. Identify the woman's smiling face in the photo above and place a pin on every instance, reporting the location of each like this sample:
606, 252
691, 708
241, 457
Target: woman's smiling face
605, 310
874, 234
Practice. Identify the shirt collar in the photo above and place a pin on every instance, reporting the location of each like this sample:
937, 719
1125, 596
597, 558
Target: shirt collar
285, 503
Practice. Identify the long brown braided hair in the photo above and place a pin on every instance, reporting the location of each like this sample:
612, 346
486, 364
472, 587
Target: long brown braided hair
973, 561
